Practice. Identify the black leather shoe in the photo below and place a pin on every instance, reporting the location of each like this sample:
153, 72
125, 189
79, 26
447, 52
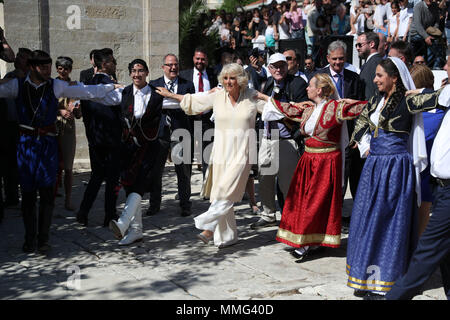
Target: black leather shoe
28, 248
82, 219
44, 249
186, 212
151, 211
360, 293
109, 219
374, 296
261, 223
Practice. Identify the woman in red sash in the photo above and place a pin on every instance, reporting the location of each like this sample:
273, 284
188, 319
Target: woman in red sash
313, 208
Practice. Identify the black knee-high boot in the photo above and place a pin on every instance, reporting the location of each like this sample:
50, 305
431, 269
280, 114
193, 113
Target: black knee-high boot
46, 206
29, 220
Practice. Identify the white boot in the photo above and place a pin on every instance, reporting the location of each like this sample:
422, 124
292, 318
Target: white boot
129, 211
135, 231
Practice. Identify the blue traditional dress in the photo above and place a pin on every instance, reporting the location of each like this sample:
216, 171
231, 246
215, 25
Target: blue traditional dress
383, 226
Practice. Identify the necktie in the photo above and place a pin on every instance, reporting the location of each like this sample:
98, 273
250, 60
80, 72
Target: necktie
339, 85
200, 82
171, 85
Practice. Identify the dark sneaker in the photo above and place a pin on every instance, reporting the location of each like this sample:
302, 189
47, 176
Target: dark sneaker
44, 249
261, 223
151, 211
186, 212
82, 218
28, 248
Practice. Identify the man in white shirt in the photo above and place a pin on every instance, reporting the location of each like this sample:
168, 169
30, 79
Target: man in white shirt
179, 121
37, 151
204, 79
433, 249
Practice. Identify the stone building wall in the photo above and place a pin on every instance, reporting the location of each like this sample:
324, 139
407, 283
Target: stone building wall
145, 29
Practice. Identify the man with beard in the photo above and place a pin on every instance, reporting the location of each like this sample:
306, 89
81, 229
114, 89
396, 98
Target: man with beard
367, 47
103, 132
204, 79
37, 155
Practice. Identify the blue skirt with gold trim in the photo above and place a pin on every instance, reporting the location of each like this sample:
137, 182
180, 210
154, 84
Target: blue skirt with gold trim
383, 222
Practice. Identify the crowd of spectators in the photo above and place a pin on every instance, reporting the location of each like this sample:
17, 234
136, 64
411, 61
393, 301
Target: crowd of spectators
315, 23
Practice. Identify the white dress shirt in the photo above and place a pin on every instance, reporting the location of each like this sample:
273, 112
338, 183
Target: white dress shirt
440, 153
310, 124
141, 99
169, 103
206, 83
103, 93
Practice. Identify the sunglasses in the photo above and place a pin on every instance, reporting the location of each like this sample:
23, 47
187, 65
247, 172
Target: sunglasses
359, 45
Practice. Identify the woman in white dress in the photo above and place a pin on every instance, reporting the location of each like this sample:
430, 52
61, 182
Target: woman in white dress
234, 148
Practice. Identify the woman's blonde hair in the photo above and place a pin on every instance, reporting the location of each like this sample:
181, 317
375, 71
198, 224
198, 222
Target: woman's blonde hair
324, 82
422, 76
237, 71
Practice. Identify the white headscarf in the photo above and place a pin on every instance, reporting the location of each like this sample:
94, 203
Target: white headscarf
444, 96
417, 146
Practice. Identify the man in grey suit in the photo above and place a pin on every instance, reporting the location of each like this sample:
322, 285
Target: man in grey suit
367, 47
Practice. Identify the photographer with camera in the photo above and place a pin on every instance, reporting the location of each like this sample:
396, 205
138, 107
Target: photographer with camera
425, 36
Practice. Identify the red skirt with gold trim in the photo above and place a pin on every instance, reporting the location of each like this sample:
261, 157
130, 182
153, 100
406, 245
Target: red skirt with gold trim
313, 208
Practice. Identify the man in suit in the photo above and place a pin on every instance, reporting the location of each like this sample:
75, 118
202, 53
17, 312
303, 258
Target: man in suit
293, 64
204, 79
367, 47
403, 51
88, 74
103, 132
284, 87
178, 120
349, 86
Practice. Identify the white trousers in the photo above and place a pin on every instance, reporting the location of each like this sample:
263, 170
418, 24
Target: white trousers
219, 219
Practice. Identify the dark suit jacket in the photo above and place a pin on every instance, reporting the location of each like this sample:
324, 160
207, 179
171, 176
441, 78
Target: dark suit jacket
86, 75
189, 75
367, 75
178, 119
212, 77
353, 87
255, 78
102, 123
294, 90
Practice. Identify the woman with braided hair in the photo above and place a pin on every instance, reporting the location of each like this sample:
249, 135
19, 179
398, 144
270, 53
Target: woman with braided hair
382, 230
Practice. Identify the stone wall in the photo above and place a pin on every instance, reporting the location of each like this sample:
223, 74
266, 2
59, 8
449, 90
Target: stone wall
145, 29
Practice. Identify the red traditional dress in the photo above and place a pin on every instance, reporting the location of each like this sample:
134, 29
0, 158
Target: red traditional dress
313, 209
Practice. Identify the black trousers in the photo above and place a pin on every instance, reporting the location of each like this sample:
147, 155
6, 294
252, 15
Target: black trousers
38, 225
183, 172
352, 171
105, 166
11, 175
433, 250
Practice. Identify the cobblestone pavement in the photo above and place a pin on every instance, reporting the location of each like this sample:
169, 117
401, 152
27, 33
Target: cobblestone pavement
170, 264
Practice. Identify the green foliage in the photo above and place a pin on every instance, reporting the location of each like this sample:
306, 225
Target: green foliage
191, 32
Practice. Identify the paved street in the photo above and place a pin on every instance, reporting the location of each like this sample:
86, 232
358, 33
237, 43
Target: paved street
87, 263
